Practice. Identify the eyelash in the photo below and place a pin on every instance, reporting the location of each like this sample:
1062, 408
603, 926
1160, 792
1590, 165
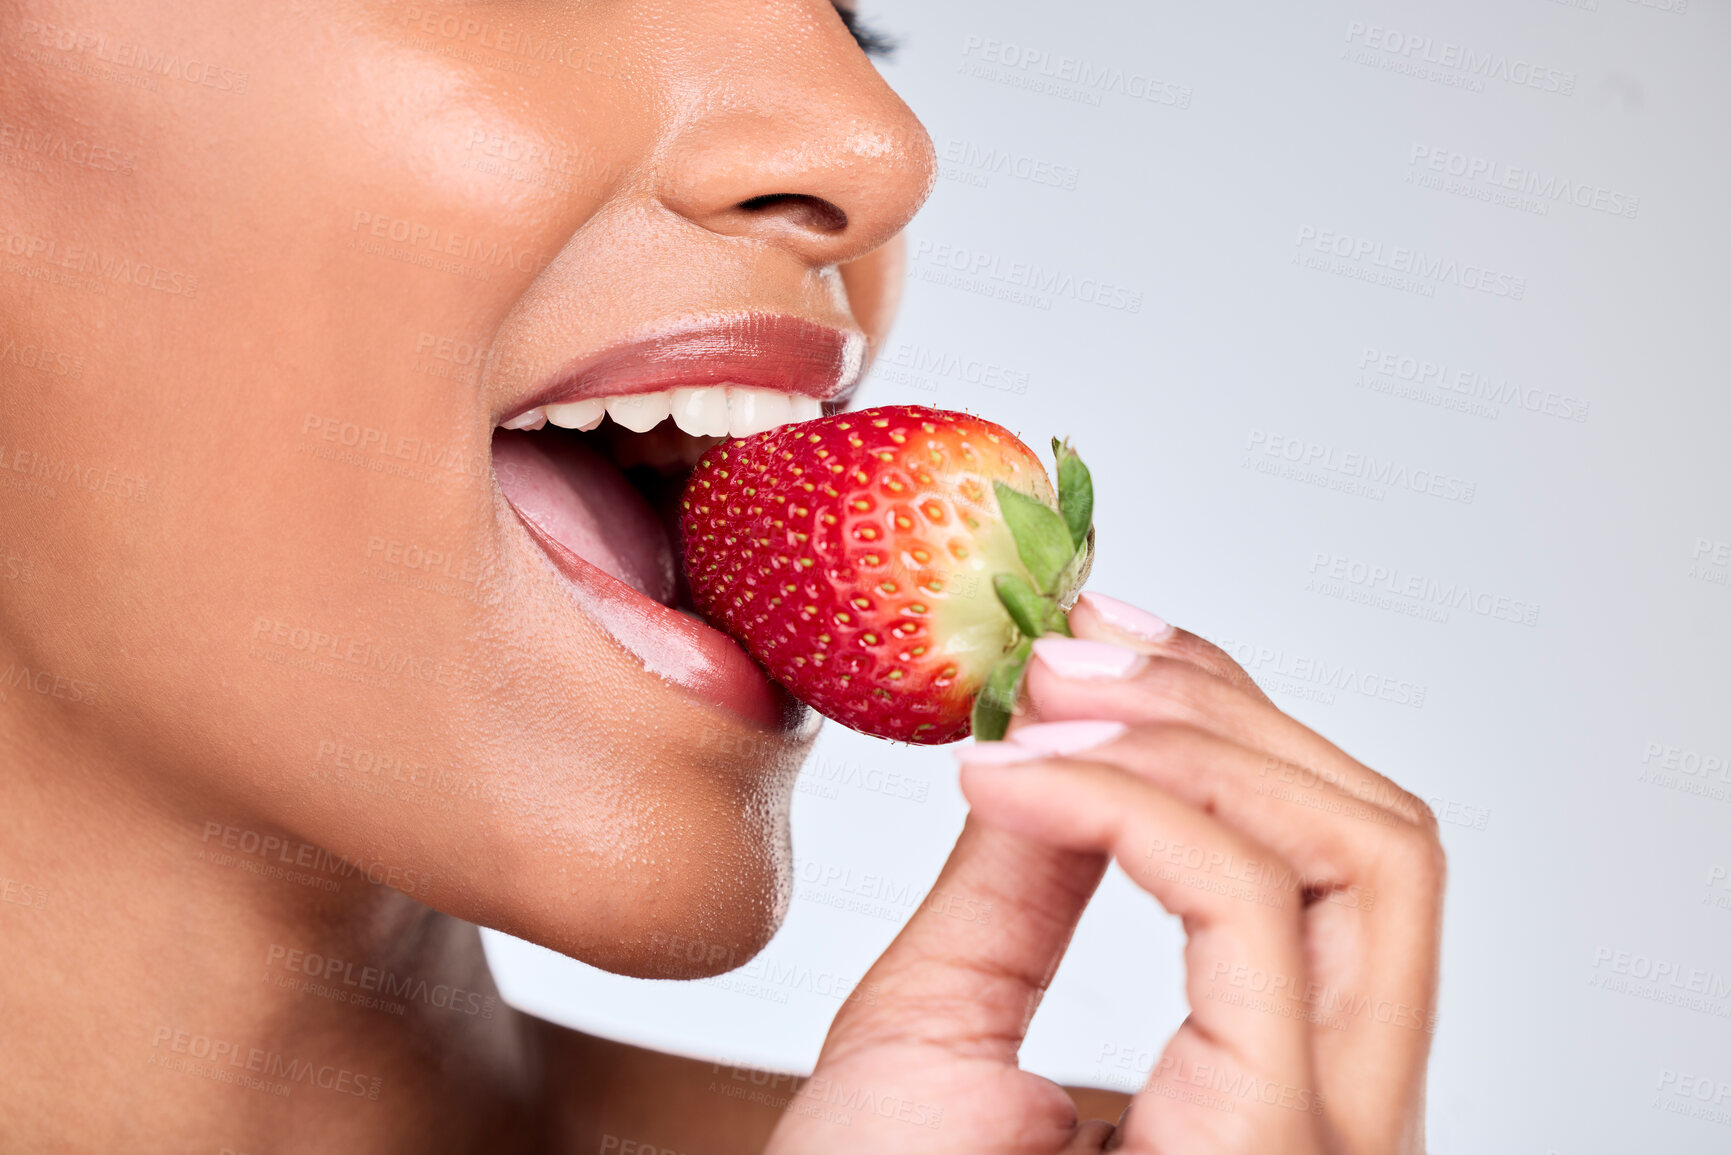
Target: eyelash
871, 41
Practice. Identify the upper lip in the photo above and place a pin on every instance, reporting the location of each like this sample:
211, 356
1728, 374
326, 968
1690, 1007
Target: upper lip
758, 350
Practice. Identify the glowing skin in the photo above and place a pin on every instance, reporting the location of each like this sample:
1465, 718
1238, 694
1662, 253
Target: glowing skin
283, 676
304, 434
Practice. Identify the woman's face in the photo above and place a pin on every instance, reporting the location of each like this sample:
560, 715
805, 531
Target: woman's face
285, 269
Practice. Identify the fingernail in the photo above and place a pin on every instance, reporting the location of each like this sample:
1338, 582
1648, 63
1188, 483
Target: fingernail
1056, 739
1087, 661
994, 754
1136, 622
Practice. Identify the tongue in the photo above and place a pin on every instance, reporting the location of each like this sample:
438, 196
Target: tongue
576, 497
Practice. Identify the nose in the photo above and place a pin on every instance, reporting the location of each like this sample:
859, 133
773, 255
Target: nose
814, 153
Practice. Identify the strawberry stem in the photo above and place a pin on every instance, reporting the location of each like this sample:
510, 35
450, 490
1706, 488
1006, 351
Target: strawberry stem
1075, 492
997, 700
1042, 539
1029, 610
1047, 542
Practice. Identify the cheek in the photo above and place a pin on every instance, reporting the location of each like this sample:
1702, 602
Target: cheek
286, 387
874, 288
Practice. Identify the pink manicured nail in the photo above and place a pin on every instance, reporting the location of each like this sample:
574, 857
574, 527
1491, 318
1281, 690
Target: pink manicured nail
994, 754
1138, 623
1055, 739
1087, 661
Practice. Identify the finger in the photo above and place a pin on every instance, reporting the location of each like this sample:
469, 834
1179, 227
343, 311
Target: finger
1074, 678
1331, 838
1090, 807
1373, 923
969, 968
1101, 618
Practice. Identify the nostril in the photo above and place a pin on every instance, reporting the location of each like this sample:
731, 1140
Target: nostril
806, 212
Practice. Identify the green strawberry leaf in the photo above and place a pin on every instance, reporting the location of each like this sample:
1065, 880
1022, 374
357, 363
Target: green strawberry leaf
1042, 539
1027, 607
997, 699
1078, 574
1075, 492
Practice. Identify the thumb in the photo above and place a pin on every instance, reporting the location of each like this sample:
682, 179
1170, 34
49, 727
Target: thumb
968, 970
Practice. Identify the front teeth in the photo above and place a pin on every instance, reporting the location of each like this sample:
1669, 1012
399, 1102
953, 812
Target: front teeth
701, 412
706, 411
640, 412
577, 414
754, 410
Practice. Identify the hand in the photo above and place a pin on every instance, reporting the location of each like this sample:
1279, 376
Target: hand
1309, 886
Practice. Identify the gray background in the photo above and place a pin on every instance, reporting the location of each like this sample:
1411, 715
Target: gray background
1172, 231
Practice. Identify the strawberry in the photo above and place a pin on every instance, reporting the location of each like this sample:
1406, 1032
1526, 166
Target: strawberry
890, 566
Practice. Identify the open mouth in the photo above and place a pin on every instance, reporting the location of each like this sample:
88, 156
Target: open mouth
595, 469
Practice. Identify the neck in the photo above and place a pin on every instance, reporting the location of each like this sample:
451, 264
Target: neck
216, 983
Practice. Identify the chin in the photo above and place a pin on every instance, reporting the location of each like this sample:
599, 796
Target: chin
699, 910
671, 859
711, 915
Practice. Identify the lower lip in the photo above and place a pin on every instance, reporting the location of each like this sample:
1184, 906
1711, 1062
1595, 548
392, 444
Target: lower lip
705, 662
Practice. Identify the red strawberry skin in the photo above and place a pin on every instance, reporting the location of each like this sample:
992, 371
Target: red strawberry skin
854, 556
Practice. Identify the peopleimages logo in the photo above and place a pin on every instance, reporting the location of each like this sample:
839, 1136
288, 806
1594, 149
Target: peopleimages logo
1367, 474
1680, 758
95, 45
481, 252
57, 471
41, 142
41, 358
207, 1055
1416, 594
1373, 256
975, 269
1661, 980
1305, 676
1066, 77
1710, 561
1399, 51
329, 971
1694, 1096
1470, 385
975, 164
115, 267
924, 362
1545, 188
880, 895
